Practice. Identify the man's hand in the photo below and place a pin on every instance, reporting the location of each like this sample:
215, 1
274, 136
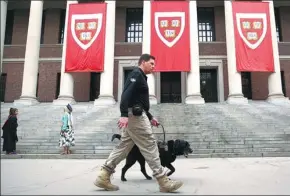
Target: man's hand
154, 122
123, 122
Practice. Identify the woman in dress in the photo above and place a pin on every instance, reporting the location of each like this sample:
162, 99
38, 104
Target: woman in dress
67, 133
10, 132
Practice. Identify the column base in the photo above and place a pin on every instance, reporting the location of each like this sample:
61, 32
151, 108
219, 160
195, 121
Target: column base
194, 99
26, 100
64, 100
278, 99
152, 100
237, 99
104, 100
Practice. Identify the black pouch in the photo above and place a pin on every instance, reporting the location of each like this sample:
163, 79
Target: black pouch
137, 110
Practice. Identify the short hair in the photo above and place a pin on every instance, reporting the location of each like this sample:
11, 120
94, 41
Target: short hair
146, 58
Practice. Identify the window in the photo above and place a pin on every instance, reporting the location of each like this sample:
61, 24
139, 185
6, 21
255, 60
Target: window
134, 25
278, 24
61, 26
42, 26
9, 27
206, 30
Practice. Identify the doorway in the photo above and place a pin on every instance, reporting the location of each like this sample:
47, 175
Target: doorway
95, 86
208, 85
246, 84
126, 74
3, 86
57, 89
283, 83
170, 83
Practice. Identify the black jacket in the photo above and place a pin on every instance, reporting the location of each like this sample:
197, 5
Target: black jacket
135, 91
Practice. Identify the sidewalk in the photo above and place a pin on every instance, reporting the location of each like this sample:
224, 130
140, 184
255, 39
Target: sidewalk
262, 176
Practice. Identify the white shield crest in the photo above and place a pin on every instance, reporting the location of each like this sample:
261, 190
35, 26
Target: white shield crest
252, 28
170, 22
85, 28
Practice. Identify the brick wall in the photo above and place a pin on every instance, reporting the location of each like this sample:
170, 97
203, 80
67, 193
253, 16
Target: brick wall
48, 70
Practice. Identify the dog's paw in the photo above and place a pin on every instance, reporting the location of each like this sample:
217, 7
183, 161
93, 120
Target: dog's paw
124, 179
149, 178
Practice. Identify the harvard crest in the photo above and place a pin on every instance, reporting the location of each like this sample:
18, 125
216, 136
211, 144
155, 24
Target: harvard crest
252, 28
169, 26
85, 28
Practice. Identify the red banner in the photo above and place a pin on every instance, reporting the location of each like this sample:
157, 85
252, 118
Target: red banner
86, 28
170, 35
253, 39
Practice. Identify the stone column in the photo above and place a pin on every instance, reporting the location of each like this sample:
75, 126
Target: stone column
274, 80
3, 27
234, 78
106, 96
66, 93
193, 77
30, 72
146, 48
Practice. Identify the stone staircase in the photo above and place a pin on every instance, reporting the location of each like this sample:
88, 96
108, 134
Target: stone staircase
213, 129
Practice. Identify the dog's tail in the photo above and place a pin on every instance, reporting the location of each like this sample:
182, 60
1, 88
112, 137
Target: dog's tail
118, 136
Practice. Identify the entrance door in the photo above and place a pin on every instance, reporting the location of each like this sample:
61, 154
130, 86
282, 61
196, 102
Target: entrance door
208, 85
2, 86
94, 86
126, 73
57, 89
170, 87
246, 84
283, 83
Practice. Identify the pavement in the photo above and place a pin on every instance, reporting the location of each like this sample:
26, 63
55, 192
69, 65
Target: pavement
215, 176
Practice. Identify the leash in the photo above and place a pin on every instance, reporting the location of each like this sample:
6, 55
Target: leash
164, 135
164, 143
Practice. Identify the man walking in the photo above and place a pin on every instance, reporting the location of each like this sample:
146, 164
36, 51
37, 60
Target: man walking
135, 120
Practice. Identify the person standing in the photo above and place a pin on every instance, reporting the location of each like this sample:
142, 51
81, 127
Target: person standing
135, 122
67, 132
10, 132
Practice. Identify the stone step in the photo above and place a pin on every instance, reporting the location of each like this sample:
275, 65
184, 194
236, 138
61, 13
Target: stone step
256, 129
107, 138
107, 149
195, 147
24, 144
105, 155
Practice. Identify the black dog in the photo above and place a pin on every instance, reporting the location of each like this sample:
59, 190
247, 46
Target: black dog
167, 156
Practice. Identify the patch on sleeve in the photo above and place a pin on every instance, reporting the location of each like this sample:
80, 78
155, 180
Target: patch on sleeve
133, 80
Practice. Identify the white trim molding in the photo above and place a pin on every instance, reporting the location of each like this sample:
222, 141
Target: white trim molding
12, 60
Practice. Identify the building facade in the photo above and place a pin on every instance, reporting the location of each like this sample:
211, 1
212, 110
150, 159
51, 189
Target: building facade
24, 23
